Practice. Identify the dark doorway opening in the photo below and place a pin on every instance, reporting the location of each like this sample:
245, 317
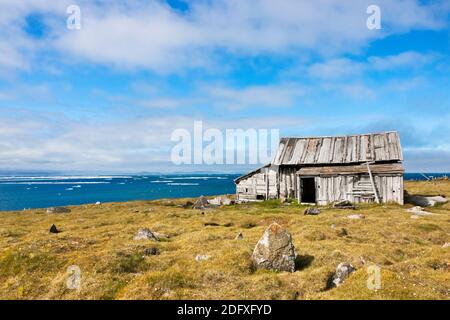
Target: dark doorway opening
308, 190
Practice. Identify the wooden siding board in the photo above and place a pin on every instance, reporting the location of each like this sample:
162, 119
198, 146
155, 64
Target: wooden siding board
396, 168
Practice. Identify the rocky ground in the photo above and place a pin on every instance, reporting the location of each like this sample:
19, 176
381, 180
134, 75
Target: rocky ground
162, 250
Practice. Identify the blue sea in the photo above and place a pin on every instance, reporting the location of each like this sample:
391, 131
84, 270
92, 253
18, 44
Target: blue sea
18, 192
42, 191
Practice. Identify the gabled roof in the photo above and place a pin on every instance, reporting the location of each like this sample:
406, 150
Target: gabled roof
341, 149
251, 173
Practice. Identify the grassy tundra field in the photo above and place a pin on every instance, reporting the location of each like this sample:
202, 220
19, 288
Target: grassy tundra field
99, 240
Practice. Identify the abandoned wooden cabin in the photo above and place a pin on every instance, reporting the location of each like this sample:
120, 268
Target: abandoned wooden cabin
322, 170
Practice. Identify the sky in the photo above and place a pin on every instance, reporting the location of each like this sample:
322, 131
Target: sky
107, 97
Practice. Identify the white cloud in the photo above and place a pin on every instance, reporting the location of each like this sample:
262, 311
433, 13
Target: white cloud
166, 103
152, 35
346, 68
39, 141
262, 96
408, 59
336, 68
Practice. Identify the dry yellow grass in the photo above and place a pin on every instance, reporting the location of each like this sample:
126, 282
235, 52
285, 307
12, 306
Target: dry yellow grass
99, 239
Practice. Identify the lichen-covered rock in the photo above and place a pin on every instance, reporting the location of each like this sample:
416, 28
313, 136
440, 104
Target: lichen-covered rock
343, 271
146, 234
275, 250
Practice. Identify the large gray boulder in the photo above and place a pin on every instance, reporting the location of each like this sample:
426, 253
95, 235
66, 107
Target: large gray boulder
275, 250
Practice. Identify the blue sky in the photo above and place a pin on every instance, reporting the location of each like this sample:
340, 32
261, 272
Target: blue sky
108, 96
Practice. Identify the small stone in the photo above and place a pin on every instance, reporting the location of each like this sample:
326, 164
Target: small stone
343, 204
201, 203
58, 210
356, 216
342, 232
211, 224
446, 245
311, 211
53, 229
343, 271
227, 201
216, 201
202, 257
418, 211
98, 203
152, 251
275, 250
239, 236
145, 234
363, 261
188, 204
161, 235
